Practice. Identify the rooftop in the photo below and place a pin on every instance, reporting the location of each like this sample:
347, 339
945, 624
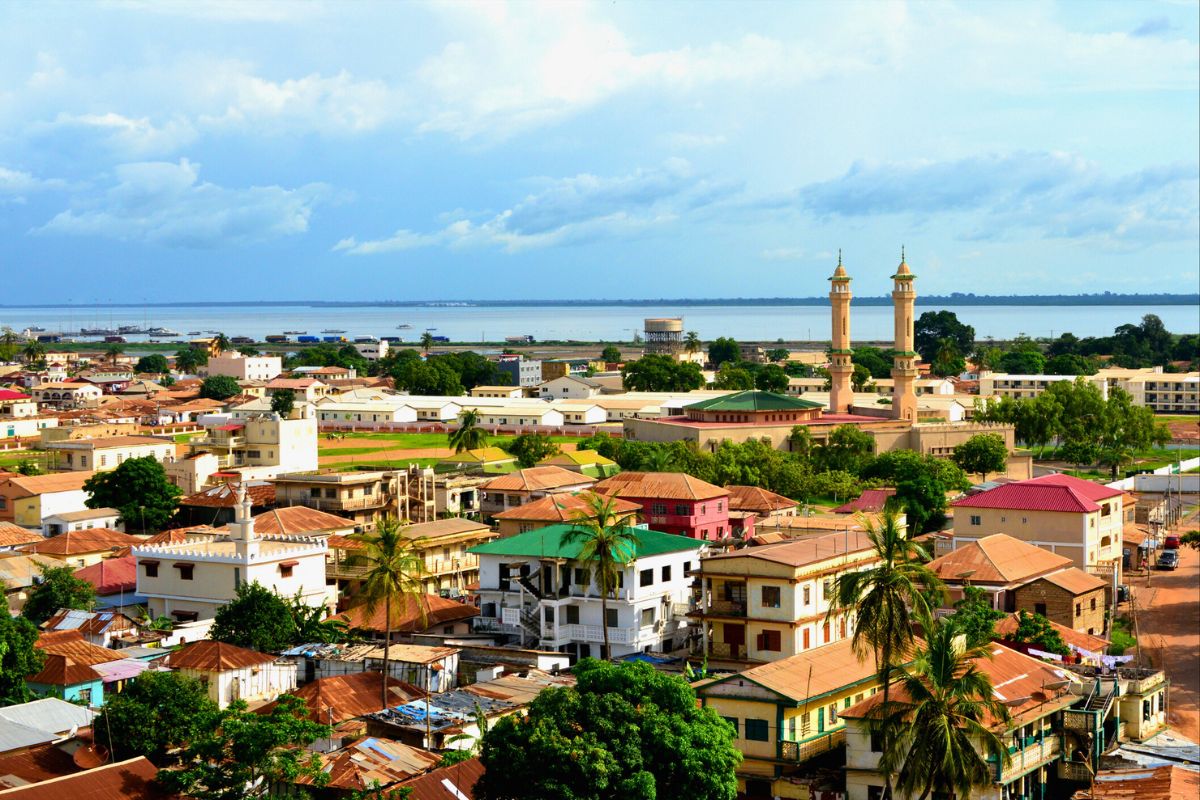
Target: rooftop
111, 575
871, 500
104, 442
91, 540
86, 514
555, 541
60, 670
71, 644
209, 656
225, 495
126, 780
564, 507
371, 761
331, 701
11, 535
299, 520
1075, 580
456, 782
660, 486
753, 498
809, 674
1062, 493
799, 552
754, 400
31, 485
407, 615
997, 559
580, 458
534, 479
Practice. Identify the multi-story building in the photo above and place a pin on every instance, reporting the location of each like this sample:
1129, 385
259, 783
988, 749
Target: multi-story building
507, 392
28, 499
15, 405
533, 587
109, 452
191, 580
359, 496
65, 396
307, 389
372, 351
674, 502
1023, 387
1165, 392
246, 368
524, 485
520, 371
569, 387
772, 601
787, 712
1060, 513
263, 440
559, 509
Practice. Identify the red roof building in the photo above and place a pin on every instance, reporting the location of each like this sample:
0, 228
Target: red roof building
674, 502
1061, 493
111, 576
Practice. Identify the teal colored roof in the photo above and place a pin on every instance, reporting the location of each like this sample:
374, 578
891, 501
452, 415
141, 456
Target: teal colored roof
551, 542
754, 400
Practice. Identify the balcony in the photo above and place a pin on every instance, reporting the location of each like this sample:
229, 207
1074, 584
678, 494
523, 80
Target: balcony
810, 748
595, 633
348, 503
442, 566
727, 650
726, 608
1029, 753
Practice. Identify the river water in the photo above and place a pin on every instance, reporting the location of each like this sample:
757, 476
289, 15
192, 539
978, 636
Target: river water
589, 323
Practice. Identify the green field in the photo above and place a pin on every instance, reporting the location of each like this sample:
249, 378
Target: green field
182, 438
398, 464
356, 451
413, 441
10, 458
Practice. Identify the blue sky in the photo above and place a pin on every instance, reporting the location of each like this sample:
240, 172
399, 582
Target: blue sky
168, 151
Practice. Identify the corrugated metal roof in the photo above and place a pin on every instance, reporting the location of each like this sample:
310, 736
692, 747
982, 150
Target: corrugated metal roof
1075, 580
12, 535
535, 478
370, 761
556, 541
37, 764
406, 615
451, 526
299, 519
871, 500
754, 400
456, 782
125, 780
1062, 493
70, 643
334, 700
48, 714
998, 559
799, 552
30, 485
755, 498
809, 674
660, 486
60, 670
1167, 782
92, 540
111, 575
564, 507
209, 656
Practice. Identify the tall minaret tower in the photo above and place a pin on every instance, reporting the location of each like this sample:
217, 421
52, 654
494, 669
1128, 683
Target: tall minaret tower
841, 395
904, 367
241, 530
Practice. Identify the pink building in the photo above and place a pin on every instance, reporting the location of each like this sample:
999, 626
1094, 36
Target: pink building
673, 502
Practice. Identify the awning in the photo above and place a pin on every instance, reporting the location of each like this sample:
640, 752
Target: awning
289, 563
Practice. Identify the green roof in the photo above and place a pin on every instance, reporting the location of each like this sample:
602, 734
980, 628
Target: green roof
754, 400
551, 542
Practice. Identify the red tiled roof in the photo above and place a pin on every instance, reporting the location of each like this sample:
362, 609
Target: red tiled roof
753, 498
535, 478
11, 535
563, 508
209, 656
660, 486
871, 500
226, 495
9, 394
1063, 493
126, 780
331, 701
111, 576
406, 616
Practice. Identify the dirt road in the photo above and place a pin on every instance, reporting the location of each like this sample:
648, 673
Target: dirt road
1169, 632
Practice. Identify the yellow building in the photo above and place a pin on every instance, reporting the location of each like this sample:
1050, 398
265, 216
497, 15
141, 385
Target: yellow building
787, 712
771, 602
109, 452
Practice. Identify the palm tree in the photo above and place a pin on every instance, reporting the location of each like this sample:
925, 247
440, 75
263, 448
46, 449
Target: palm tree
888, 597
608, 545
33, 351
426, 341
394, 567
691, 342
946, 710
468, 436
113, 351
222, 343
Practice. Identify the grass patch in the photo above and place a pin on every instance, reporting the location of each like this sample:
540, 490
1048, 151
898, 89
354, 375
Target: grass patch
9, 458
183, 438
404, 441
1122, 638
398, 464
354, 451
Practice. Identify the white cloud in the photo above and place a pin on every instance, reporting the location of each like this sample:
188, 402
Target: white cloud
165, 203
571, 210
131, 136
226, 10
16, 185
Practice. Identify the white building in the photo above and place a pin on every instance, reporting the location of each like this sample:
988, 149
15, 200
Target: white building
372, 351
333, 409
192, 580
569, 387
532, 587
110, 452
62, 522
262, 442
232, 673
246, 368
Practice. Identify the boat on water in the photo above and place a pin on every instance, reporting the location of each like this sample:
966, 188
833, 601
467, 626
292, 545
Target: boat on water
97, 332
333, 330
195, 333
161, 332
295, 333
403, 326
431, 329
36, 329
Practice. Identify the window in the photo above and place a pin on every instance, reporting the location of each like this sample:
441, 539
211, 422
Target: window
285, 570
976, 519
254, 454
756, 730
681, 510
734, 722
666, 572
805, 724
720, 506
331, 493
826, 586
770, 597
611, 618
807, 639
647, 617
704, 509
833, 714
581, 577
572, 613
687, 567
807, 595
646, 577
1078, 609
84, 697
185, 571
151, 568
1093, 604
1039, 608
770, 641
876, 743
658, 508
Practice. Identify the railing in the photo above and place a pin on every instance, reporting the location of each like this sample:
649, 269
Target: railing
1032, 752
803, 751
1077, 771
727, 650
348, 504
440, 566
335, 569
727, 608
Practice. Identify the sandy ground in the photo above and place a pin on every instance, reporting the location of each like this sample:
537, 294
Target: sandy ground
1185, 431
1169, 631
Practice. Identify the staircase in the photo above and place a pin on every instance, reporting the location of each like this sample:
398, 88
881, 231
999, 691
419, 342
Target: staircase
529, 587
531, 624
1100, 700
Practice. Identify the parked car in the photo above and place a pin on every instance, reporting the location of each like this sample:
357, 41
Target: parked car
1168, 559
1171, 543
1122, 593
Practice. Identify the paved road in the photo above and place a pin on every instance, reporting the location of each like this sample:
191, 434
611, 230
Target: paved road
1169, 633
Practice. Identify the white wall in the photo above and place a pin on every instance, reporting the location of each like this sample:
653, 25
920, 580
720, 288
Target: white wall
63, 502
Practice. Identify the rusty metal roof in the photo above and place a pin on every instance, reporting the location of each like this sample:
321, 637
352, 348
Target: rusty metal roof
798, 552
660, 486
563, 507
91, 540
1075, 580
754, 498
71, 644
997, 559
1165, 782
209, 656
406, 615
125, 780
456, 782
334, 700
372, 760
535, 478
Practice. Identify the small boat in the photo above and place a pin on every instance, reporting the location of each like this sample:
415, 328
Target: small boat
37, 329
431, 329
195, 333
295, 333
161, 332
403, 326
332, 330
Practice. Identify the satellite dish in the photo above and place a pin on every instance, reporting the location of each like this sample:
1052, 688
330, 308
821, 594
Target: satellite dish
1017, 701
1056, 685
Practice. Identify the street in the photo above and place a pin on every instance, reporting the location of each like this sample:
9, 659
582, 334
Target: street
1169, 631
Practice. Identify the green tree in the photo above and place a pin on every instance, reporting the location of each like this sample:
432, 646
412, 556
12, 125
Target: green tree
623, 732
190, 359
921, 484
1070, 364
235, 753
771, 378
59, 588
723, 349
394, 570
27, 466
138, 488
860, 378
155, 363
887, 597
691, 342
608, 544
948, 360
249, 350
468, 435
1127, 429
219, 387
426, 342
931, 735
877, 362
113, 352
981, 454
732, 375
283, 402
800, 442
933, 328
1036, 630
313, 626
1191, 539
611, 354
155, 713
19, 658
658, 373
256, 618
33, 351
9, 345
1023, 362
975, 617
847, 448
530, 448
778, 354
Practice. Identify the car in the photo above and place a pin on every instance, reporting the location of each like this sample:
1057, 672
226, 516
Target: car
1171, 543
1122, 593
1168, 559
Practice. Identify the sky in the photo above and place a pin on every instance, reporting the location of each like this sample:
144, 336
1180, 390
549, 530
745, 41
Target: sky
169, 151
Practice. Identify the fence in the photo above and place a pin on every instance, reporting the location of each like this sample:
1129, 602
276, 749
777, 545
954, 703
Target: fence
1172, 476
446, 427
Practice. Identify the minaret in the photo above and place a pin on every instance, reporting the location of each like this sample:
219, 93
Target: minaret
841, 394
241, 530
904, 367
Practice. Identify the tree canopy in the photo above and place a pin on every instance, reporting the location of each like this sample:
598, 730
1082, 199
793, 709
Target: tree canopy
219, 387
59, 589
530, 448
155, 362
611, 354
623, 731
931, 330
974, 616
138, 488
256, 618
723, 349
156, 712
18, 658
981, 454
190, 359
283, 401
659, 373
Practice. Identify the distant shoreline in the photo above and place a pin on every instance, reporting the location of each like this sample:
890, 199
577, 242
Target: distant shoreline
928, 300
